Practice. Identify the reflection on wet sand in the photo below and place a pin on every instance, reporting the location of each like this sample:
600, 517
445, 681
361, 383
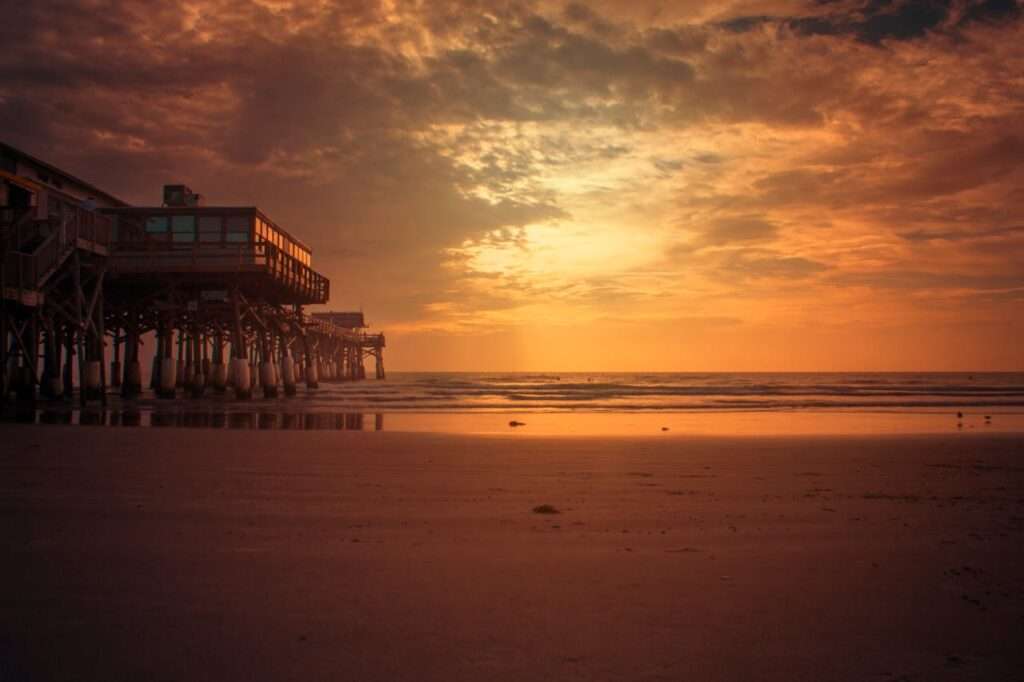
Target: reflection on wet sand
254, 419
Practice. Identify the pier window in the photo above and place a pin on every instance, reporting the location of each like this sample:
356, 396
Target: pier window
157, 228
210, 228
238, 228
183, 228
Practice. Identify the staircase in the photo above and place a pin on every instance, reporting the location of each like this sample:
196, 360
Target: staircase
34, 250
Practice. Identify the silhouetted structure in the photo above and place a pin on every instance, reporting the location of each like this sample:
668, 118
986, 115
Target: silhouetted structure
222, 288
370, 346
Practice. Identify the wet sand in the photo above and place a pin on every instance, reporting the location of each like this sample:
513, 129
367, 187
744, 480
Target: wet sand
196, 554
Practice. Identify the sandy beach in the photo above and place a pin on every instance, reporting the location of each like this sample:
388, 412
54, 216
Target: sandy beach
194, 554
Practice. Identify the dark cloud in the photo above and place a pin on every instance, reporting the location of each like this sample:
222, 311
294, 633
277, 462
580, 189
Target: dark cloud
679, 41
748, 23
895, 20
578, 13
991, 10
878, 21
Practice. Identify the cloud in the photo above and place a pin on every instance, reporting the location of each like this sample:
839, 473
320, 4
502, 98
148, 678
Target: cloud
931, 281
746, 264
739, 229
521, 161
879, 21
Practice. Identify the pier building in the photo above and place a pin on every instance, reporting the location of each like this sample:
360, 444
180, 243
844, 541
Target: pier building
221, 289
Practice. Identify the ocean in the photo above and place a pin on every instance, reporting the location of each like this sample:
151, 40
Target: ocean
675, 391
590, 403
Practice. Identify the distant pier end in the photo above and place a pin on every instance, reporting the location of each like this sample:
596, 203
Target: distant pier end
367, 346
223, 288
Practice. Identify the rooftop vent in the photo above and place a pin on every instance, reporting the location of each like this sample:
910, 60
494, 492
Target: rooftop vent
180, 196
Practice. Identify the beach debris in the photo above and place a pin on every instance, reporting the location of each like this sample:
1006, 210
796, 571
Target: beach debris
959, 415
514, 423
664, 428
545, 509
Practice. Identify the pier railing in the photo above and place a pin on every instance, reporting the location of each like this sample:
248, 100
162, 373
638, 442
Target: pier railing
150, 256
351, 336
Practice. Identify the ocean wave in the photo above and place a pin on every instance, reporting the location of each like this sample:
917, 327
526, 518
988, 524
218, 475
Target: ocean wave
678, 391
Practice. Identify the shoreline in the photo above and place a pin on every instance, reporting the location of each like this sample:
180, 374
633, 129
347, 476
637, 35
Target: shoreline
666, 424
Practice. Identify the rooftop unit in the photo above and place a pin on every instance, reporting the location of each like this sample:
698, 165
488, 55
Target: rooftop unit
180, 196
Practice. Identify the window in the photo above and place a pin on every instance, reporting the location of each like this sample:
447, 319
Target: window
238, 227
156, 224
183, 228
157, 227
209, 228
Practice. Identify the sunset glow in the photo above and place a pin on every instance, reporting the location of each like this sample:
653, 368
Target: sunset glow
746, 185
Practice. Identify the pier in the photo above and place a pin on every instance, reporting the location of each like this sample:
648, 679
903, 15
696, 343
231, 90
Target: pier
221, 291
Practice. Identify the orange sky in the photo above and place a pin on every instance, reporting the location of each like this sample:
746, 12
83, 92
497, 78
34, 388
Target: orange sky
755, 185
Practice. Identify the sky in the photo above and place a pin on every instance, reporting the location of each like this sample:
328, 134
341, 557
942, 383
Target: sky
740, 185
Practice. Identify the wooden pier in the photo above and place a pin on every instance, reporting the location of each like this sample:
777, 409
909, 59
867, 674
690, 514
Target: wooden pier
221, 290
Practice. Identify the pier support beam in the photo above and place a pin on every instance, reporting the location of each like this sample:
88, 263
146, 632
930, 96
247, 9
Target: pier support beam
51, 386
69, 363
131, 386
268, 380
167, 374
218, 368
195, 376
239, 362
115, 364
